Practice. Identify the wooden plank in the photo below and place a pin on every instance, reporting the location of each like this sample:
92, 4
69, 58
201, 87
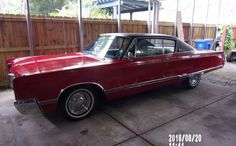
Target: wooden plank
198, 31
210, 31
186, 28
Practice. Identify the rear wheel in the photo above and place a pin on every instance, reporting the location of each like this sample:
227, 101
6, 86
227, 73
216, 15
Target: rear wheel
192, 81
78, 103
229, 58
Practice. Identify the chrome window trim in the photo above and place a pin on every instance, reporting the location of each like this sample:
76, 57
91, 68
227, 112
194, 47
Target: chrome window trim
134, 42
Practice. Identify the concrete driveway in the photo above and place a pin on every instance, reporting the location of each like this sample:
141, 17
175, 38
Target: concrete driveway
143, 119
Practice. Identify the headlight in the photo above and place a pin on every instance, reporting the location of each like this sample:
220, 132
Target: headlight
9, 66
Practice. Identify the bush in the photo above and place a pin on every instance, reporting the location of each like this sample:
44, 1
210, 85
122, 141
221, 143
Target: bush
229, 43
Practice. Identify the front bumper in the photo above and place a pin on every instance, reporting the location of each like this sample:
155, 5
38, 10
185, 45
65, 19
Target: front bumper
29, 106
11, 78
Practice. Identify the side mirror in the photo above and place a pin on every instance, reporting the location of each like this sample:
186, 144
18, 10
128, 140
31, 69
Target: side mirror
130, 56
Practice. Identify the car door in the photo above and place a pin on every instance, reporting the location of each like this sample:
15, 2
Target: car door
181, 61
148, 64
173, 64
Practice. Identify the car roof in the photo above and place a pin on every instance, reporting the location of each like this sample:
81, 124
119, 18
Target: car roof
138, 35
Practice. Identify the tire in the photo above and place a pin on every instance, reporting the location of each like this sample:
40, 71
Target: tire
192, 81
229, 58
78, 103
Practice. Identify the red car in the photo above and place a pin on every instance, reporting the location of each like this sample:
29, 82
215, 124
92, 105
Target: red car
113, 66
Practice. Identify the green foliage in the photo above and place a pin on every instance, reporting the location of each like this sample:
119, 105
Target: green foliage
229, 43
45, 7
89, 10
68, 10
98, 13
63, 8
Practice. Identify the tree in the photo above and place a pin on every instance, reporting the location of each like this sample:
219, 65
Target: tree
229, 43
89, 10
68, 10
53, 8
45, 7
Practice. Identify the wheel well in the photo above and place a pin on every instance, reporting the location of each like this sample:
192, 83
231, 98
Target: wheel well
100, 94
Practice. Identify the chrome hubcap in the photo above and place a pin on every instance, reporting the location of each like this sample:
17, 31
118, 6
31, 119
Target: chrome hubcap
194, 80
79, 103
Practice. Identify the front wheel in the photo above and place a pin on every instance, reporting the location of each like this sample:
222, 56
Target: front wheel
192, 81
78, 103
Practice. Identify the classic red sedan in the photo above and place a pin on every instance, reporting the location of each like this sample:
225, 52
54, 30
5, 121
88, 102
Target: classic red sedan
112, 66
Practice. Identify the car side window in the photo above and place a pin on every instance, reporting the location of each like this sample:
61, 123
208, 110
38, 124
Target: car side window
169, 46
154, 46
184, 47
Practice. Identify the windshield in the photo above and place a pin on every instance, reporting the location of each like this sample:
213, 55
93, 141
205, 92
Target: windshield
108, 46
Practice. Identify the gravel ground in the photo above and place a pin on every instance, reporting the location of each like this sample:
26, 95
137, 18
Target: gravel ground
225, 76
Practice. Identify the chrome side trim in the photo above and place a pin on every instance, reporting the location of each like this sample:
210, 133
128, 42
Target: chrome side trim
142, 84
160, 80
207, 70
49, 101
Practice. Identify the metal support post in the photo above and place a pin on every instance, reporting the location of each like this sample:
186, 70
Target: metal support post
80, 20
29, 29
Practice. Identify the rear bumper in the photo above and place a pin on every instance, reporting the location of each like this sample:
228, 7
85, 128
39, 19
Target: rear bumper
29, 106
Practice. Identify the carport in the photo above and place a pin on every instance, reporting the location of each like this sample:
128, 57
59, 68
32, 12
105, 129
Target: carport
128, 6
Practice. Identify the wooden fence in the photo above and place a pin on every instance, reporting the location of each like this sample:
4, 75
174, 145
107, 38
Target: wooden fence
52, 35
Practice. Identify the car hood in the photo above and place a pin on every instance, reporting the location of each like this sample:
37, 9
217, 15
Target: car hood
48, 63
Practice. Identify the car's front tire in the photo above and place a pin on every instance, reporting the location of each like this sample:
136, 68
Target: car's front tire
192, 81
78, 103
